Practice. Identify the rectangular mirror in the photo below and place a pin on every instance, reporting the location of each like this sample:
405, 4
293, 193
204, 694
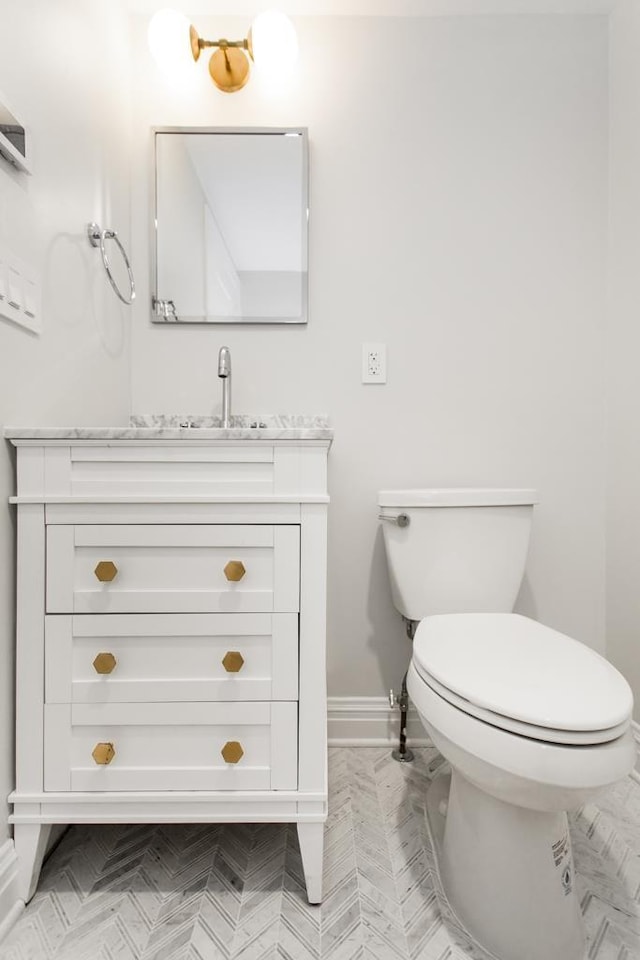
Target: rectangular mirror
231, 212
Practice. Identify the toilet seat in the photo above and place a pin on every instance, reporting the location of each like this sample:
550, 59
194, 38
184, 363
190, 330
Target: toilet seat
526, 771
509, 725
522, 677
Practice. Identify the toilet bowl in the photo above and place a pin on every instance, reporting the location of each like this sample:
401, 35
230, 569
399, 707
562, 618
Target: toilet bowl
532, 722
511, 695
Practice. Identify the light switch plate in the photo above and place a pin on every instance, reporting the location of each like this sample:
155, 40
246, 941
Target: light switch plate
14, 286
19, 292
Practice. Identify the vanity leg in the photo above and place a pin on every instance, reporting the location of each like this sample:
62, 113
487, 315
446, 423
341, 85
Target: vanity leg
311, 840
30, 841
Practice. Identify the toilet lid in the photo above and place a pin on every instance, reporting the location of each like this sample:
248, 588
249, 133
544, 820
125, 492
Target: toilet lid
511, 668
457, 497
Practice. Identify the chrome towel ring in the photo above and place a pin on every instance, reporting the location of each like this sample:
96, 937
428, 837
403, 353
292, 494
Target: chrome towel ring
97, 237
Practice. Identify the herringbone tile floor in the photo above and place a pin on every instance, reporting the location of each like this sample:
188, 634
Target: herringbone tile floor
236, 892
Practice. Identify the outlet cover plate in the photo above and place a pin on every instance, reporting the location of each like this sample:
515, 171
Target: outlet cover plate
374, 363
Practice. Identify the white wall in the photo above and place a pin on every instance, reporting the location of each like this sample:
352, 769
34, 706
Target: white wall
623, 506
53, 60
458, 198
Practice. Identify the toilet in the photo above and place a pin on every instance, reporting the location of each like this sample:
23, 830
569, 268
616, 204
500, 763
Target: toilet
532, 722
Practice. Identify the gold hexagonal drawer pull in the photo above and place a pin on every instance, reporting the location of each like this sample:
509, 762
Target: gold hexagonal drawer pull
234, 570
232, 751
104, 663
103, 753
233, 661
106, 571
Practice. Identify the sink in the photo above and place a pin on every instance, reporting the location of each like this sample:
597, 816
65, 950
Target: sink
268, 421
265, 421
266, 426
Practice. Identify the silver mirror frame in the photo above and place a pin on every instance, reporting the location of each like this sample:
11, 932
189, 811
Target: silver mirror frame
164, 311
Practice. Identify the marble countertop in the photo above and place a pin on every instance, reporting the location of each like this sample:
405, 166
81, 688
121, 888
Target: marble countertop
188, 427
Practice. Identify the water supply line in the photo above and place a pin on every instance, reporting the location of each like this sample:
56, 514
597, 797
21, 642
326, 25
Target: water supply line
403, 754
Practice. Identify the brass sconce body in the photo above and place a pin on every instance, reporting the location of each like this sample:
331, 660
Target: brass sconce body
228, 66
271, 42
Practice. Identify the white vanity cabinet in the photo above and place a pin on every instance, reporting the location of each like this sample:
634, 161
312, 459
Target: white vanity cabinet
171, 594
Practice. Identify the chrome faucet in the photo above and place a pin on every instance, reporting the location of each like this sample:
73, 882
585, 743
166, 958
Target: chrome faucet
224, 372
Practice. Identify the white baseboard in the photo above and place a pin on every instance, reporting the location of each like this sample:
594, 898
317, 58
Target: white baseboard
10, 904
370, 722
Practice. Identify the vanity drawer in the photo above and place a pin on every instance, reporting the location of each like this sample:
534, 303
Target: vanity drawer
170, 746
121, 658
190, 568
156, 471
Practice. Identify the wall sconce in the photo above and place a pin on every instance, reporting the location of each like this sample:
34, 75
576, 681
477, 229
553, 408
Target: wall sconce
271, 43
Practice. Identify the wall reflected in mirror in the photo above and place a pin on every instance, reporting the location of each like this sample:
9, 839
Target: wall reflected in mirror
13, 139
231, 220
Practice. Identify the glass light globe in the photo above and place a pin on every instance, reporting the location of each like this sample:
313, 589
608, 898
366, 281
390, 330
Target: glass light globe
168, 37
274, 42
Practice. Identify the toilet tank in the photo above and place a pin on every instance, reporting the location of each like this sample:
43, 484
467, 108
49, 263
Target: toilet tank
462, 550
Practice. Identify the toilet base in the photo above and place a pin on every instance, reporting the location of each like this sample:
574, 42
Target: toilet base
506, 872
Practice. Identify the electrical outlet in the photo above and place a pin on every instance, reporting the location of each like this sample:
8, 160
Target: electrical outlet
374, 363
